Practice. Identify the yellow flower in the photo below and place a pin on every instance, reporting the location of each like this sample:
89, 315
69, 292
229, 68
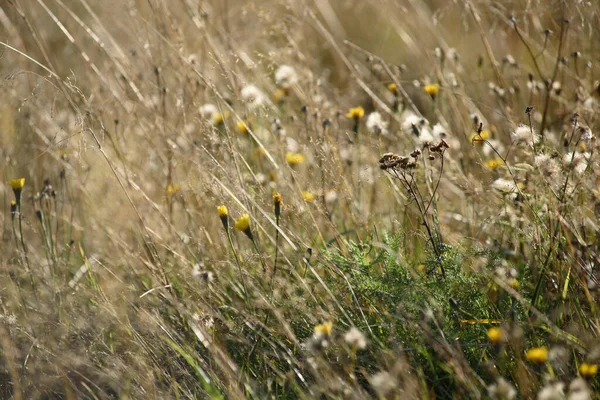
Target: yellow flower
279, 95
496, 335
356, 113
493, 164
17, 184
277, 201
242, 224
222, 211
308, 196
432, 89
219, 118
513, 283
480, 138
324, 329
242, 126
223, 215
588, 370
393, 88
537, 355
173, 189
294, 158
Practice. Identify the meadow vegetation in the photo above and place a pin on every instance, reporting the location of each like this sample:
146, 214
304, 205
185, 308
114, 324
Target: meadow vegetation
391, 199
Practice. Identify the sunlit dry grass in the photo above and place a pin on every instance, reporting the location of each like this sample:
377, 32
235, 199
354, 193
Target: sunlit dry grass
314, 199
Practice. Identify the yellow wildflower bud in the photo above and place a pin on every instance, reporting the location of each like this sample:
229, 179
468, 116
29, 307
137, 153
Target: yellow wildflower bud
242, 126
356, 113
308, 196
294, 158
17, 186
588, 370
432, 90
393, 88
242, 224
223, 214
496, 335
479, 139
277, 204
537, 355
493, 164
324, 329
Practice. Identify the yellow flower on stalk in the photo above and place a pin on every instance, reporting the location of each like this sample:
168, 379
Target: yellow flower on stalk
537, 355
479, 139
242, 126
294, 158
513, 283
393, 88
308, 196
496, 335
173, 189
432, 90
242, 224
324, 329
356, 113
223, 214
17, 184
277, 201
493, 164
220, 117
588, 370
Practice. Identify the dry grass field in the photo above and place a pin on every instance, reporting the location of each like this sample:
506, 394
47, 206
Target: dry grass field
277, 199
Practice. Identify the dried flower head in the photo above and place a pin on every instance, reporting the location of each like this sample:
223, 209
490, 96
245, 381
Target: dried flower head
526, 135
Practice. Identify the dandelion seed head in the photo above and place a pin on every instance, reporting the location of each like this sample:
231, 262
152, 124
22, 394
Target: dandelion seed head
376, 124
286, 76
355, 338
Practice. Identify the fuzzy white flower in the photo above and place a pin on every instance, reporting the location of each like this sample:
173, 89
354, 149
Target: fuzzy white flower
586, 133
555, 391
504, 186
209, 112
286, 76
330, 197
376, 124
252, 96
579, 390
578, 161
383, 382
502, 389
425, 136
526, 135
410, 120
547, 165
355, 338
